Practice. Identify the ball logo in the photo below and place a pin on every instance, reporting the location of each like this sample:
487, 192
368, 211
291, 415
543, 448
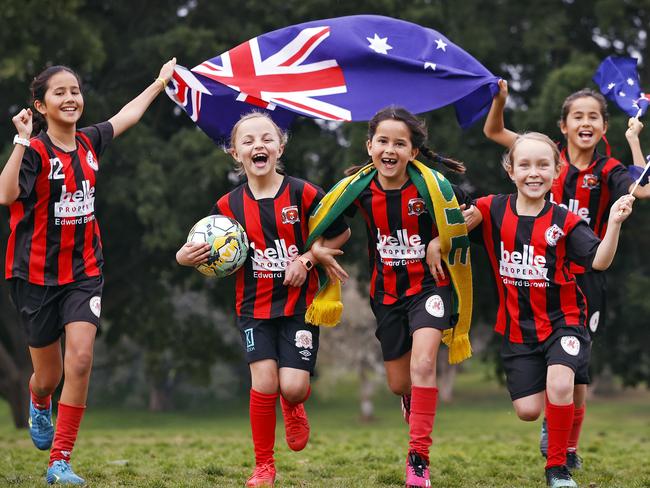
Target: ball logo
435, 306
290, 215
571, 345
416, 206
96, 306
590, 181
553, 234
304, 339
593, 321
92, 162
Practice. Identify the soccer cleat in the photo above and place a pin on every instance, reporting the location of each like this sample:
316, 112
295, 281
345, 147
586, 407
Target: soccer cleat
405, 400
559, 477
41, 428
417, 471
263, 475
60, 473
573, 461
543, 439
296, 425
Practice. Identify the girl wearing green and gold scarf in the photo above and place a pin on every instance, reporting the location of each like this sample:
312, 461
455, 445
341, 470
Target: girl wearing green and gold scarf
421, 287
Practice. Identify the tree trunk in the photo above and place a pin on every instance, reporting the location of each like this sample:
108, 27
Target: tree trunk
446, 376
366, 391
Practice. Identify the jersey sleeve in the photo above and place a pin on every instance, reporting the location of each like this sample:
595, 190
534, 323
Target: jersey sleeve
30, 167
100, 136
462, 196
581, 245
619, 182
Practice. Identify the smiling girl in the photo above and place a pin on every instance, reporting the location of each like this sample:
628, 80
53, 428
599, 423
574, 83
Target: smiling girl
274, 287
410, 290
54, 254
531, 244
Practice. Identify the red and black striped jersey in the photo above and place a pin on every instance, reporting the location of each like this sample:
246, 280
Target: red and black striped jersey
529, 256
399, 229
55, 236
277, 230
590, 192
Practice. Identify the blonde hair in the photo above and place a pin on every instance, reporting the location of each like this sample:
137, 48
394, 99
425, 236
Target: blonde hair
508, 157
239, 168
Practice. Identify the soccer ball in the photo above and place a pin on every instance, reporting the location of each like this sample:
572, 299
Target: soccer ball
229, 244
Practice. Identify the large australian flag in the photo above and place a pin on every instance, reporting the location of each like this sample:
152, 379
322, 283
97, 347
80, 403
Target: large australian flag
343, 69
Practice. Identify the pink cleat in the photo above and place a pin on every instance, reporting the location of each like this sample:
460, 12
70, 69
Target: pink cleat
417, 471
296, 425
263, 475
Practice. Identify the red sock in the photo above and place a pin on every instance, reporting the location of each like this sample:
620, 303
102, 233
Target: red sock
574, 436
293, 405
423, 411
42, 403
559, 419
68, 420
262, 414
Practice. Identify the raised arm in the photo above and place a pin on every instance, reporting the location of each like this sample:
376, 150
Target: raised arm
9, 187
634, 127
494, 127
606, 251
133, 111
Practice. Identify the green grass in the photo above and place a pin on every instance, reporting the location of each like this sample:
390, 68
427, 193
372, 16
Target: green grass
478, 442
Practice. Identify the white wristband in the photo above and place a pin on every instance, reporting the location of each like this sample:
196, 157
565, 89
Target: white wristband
21, 140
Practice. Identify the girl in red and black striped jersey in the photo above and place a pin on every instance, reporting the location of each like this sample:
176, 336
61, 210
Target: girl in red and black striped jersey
531, 244
410, 290
588, 184
54, 254
274, 287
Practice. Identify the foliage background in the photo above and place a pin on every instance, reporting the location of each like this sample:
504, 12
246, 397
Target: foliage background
169, 339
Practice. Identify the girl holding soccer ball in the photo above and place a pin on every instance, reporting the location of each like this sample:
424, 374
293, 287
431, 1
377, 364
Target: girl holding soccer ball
274, 287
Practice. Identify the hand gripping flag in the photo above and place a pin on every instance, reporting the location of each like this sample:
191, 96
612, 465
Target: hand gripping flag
618, 80
343, 69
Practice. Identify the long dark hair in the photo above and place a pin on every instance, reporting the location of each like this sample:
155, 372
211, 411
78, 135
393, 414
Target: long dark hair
38, 87
418, 130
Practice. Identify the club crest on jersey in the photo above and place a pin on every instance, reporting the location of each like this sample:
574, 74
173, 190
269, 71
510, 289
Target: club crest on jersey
92, 162
304, 339
571, 345
590, 181
553, 234
416, 206
290, 215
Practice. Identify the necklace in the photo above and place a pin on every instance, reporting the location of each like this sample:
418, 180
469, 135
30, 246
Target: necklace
62, 145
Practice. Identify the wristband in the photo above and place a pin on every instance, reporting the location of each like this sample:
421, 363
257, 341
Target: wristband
21, 140
162, 82
306, 262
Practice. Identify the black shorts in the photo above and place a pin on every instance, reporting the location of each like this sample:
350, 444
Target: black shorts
526, 364
45, 310
594, 286
397, 322
289, 340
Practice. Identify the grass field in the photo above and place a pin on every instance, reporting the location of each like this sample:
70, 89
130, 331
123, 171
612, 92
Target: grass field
478, 442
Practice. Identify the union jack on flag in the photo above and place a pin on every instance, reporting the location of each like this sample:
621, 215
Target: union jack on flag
340, 69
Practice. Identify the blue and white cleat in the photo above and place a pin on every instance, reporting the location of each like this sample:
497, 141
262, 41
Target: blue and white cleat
559, 477
41, 428
60, 473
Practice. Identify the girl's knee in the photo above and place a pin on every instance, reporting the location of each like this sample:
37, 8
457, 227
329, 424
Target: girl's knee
78, 363
294, 393
560, 390
423, 367
528, 413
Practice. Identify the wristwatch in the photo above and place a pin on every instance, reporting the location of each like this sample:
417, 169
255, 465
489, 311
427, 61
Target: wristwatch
21, 140
306, 262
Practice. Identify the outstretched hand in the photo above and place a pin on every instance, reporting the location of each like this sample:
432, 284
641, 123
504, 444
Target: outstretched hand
634, 128
326, 258
23, 122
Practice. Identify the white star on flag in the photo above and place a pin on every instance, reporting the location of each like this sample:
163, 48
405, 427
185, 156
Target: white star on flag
430, 65
621, 94
630, 81
611, 85
440, 44
379, 44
